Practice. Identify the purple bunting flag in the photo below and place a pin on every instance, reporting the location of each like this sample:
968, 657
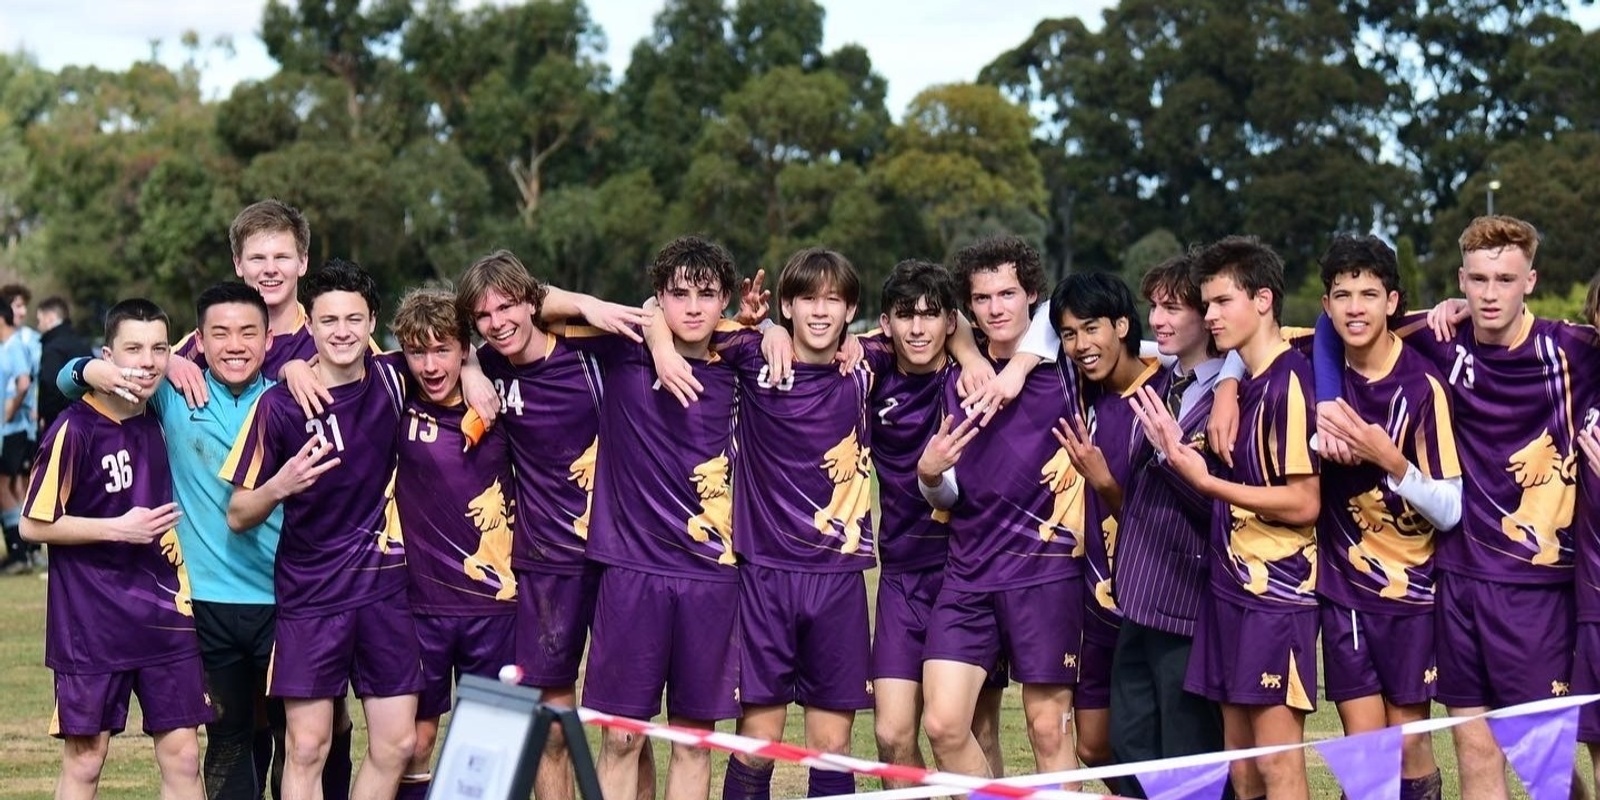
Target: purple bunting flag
1200, 782
1540, 748
1367, 764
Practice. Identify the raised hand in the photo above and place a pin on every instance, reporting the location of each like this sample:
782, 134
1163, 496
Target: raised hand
1365, 441
1085, 455
1164, 434
754, 301
302, 471
944, 449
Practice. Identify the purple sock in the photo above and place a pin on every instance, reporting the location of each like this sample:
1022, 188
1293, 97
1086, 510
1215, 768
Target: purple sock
336, 773
744, 782
1429, 788
827, 783
414, 788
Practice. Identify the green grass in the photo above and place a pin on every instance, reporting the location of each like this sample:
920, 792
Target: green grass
29, 759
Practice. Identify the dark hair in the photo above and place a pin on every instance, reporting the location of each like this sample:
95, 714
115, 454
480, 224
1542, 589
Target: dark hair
816, 268
1352, 255
339, 275
504, 273
135, 309
228, 292
55, 304
988, 255
6, 315
11, 291
701, 261
269, 216
1251, 264
914, 279
1174, 278
1096, 295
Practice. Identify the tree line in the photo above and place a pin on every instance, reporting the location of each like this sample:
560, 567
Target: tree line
417, 136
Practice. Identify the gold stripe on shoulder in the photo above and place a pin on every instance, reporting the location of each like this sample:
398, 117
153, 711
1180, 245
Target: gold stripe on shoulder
52, 488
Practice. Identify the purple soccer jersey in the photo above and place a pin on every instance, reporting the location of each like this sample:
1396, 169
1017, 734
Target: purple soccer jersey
294, 345
1586, 536
550, 409
1377, 551
1258, 562
1517, 410
456, 513
1022, 512
1115, 430
112, 606
802, 497
662, 499
341, 546
906, 411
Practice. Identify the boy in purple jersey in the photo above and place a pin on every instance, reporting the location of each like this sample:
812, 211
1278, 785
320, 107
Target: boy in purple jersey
1505, 582
912, 363
119, 615
1255, 645
802, 500
270, 242
343, 612
452, 492
1100, 331
1380, 514
1016, 517
1586, 538
662, 529
550, 406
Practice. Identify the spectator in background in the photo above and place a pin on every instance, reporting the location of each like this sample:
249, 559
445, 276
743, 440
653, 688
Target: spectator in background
18, 297
59, 343
16, 457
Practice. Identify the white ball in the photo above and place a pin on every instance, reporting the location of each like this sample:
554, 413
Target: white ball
511, 673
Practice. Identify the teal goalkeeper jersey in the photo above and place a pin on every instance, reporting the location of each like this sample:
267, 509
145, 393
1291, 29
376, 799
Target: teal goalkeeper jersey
224, 567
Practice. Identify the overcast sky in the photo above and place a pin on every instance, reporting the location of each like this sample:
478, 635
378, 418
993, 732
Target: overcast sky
913, 43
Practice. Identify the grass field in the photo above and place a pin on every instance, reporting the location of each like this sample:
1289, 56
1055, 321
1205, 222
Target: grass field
29, 759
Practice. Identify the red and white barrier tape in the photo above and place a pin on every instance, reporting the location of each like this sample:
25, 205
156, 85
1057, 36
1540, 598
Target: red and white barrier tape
946, 782
936, 783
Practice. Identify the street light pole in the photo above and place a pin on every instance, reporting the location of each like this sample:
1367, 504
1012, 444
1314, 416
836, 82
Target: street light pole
1494, 186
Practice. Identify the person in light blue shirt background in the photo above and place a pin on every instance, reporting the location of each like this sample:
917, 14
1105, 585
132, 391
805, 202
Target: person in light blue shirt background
18, 363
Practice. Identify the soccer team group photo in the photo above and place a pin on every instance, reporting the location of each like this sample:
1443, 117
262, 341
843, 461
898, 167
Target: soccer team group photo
1173, 523
849, 400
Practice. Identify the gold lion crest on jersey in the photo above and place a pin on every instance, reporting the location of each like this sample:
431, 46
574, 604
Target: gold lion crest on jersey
492, 514
710, 481
848, 466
